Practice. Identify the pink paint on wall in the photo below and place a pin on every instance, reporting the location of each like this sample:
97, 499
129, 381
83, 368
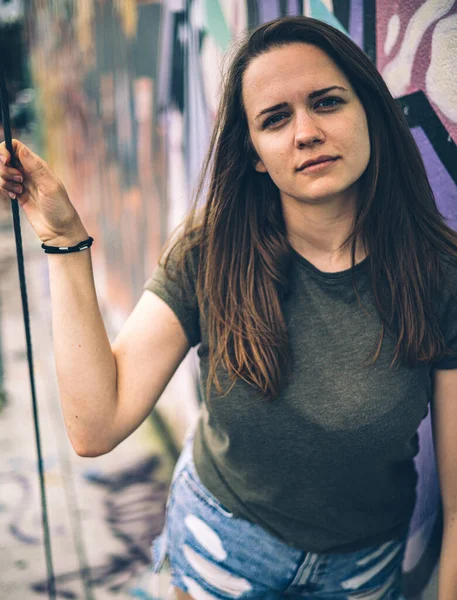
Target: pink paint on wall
414, 53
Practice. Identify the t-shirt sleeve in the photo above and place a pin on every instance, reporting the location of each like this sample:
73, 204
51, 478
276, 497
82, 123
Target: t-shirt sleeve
448, 320
183, 304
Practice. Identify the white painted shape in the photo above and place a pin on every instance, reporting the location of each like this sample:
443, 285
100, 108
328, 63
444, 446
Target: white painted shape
183, 34
197, 14
219, 578
206, 536
175, 5
397, 73
393, 29
11, 11
211, 58
440, 82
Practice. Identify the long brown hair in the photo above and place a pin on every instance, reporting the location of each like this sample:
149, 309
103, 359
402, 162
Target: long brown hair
240, 234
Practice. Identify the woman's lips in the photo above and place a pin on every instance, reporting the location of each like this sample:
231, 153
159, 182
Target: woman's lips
318, 166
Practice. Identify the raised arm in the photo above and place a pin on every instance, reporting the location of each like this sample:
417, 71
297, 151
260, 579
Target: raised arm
105, 392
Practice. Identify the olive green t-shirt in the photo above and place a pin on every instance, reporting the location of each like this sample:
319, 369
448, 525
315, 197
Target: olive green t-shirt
328, 466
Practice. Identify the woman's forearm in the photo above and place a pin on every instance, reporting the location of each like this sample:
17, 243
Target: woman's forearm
85, 365
447, 573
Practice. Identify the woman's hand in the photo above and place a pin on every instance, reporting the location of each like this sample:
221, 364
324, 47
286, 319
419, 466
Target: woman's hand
41, 195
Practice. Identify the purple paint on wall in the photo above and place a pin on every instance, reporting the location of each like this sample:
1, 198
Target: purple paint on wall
268, 10
293, 8
356, 22
428, 498
443, 186
428, 490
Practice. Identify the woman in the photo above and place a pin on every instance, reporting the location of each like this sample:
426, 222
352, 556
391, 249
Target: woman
319, 241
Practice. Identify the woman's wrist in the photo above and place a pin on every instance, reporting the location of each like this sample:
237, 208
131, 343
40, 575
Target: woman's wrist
71, 239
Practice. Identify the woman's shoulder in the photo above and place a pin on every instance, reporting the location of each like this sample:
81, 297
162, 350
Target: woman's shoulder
183, 250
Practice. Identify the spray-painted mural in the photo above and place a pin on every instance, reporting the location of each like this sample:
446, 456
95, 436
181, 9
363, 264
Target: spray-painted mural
414, 46
94, 66
134, 138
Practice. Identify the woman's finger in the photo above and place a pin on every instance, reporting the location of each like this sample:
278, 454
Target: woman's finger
4, 154
11, 186
11, 174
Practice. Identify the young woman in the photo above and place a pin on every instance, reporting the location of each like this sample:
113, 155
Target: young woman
319, 280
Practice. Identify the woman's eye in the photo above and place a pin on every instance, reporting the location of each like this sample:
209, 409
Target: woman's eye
337, 100
275, 119
272, 120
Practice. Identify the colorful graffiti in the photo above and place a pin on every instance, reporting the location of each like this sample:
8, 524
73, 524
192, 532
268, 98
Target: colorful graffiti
132, 499
134, 503
129, 139
94, 68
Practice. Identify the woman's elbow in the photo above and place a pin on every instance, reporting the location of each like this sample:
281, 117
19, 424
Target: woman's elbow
90, 450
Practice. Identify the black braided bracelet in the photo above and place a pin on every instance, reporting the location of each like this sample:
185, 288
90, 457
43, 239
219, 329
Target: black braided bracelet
67, 249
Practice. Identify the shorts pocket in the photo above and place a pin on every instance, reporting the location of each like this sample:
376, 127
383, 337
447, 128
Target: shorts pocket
192, 480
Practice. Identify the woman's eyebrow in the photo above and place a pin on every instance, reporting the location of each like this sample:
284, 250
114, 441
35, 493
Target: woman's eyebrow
312, 95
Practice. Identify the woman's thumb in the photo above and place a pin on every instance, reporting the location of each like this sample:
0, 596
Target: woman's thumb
31, 163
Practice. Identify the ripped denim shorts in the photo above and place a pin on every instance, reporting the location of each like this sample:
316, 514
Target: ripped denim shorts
214, 555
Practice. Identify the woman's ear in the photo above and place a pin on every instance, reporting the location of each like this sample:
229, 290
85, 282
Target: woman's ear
259, 166
253, 157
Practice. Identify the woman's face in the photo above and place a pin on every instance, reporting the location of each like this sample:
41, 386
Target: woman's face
303, 127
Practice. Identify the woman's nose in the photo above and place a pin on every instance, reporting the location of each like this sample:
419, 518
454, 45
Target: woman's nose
307, 130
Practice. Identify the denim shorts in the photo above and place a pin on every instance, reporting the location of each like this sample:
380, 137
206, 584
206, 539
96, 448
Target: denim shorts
213, 554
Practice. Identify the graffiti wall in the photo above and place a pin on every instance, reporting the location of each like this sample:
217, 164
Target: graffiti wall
94, 66
129, 138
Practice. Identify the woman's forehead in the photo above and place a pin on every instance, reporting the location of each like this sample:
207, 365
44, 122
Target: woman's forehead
298, 58
293, 69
